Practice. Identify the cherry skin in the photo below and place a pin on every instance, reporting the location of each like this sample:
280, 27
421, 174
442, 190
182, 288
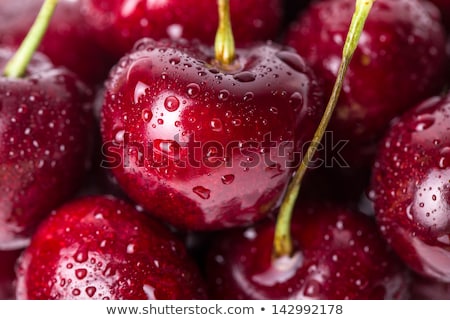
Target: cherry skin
200, 147
402, 47
444, 7
411, 188
7, 275
44, 144
102, 248
118, 24
339, 255
67, 42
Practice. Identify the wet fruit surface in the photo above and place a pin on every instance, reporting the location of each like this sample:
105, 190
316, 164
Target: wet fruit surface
7, 275
338, 255
119, 24
402, 47
204, 148
45, 146
411, 183
101, 248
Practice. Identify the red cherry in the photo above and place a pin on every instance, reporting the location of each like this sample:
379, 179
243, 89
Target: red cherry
411, 183
44, 144
102, 248
118, 24
68, 41
201, 147
400, 60
428, 289
338, 255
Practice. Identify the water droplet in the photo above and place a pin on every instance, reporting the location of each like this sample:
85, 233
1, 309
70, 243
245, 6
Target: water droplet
81, 273
293, 60
171, 103
174, 60
202, 192
76, 292
236, 122
249, 96
224, 95
81, 256
227, 179
216, 124
160, 121
312, 288
119, 136
147, 115
296, 100
245, 76
424, 122
444, 161
274, 110
90, 291
193, 90
130, 248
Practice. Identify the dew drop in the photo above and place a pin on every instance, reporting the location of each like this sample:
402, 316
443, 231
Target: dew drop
174, 60
274, 110
236, 122
171, 103
193, 90
81, 256
249, 96
444, 161
130, 248
119, 136
76, 292
147, 115
424, 122
90, 291
223, 95
312, 288
245, 76
292, 59
227, 179
296, 100
202, 192
216, 125
81, 273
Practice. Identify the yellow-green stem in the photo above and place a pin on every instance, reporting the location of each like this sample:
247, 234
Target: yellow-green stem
282, 240
224, 44
17, 66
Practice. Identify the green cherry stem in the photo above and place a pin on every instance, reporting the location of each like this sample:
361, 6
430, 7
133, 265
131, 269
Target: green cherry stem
224, 44
16, 67
282, 240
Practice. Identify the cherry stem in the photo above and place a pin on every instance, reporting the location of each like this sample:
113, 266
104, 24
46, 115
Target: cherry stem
17, 65
224, 44
282, 240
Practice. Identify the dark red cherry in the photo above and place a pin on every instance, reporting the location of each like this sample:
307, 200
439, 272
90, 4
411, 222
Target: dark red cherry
45, 144
400, 60
338, 255
102, 248
202, 147
68, 41
411, 188
7, 276
118, 24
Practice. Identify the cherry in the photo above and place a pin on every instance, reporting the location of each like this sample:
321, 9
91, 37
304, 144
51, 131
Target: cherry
119, 24
402, 47
7, 275
45, 143
339, 255
411, 184
68, 40
103, 248
202, 143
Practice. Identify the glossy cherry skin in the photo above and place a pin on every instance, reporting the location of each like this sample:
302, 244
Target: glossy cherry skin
338, 255
68, 41
411, 188
204, 148
400, 60
118, 24
45, 144
103, 248
7, 275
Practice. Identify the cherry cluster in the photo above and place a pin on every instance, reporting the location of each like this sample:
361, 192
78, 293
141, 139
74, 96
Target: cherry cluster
148, 146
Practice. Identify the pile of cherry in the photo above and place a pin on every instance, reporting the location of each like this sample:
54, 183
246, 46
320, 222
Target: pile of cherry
134, 165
